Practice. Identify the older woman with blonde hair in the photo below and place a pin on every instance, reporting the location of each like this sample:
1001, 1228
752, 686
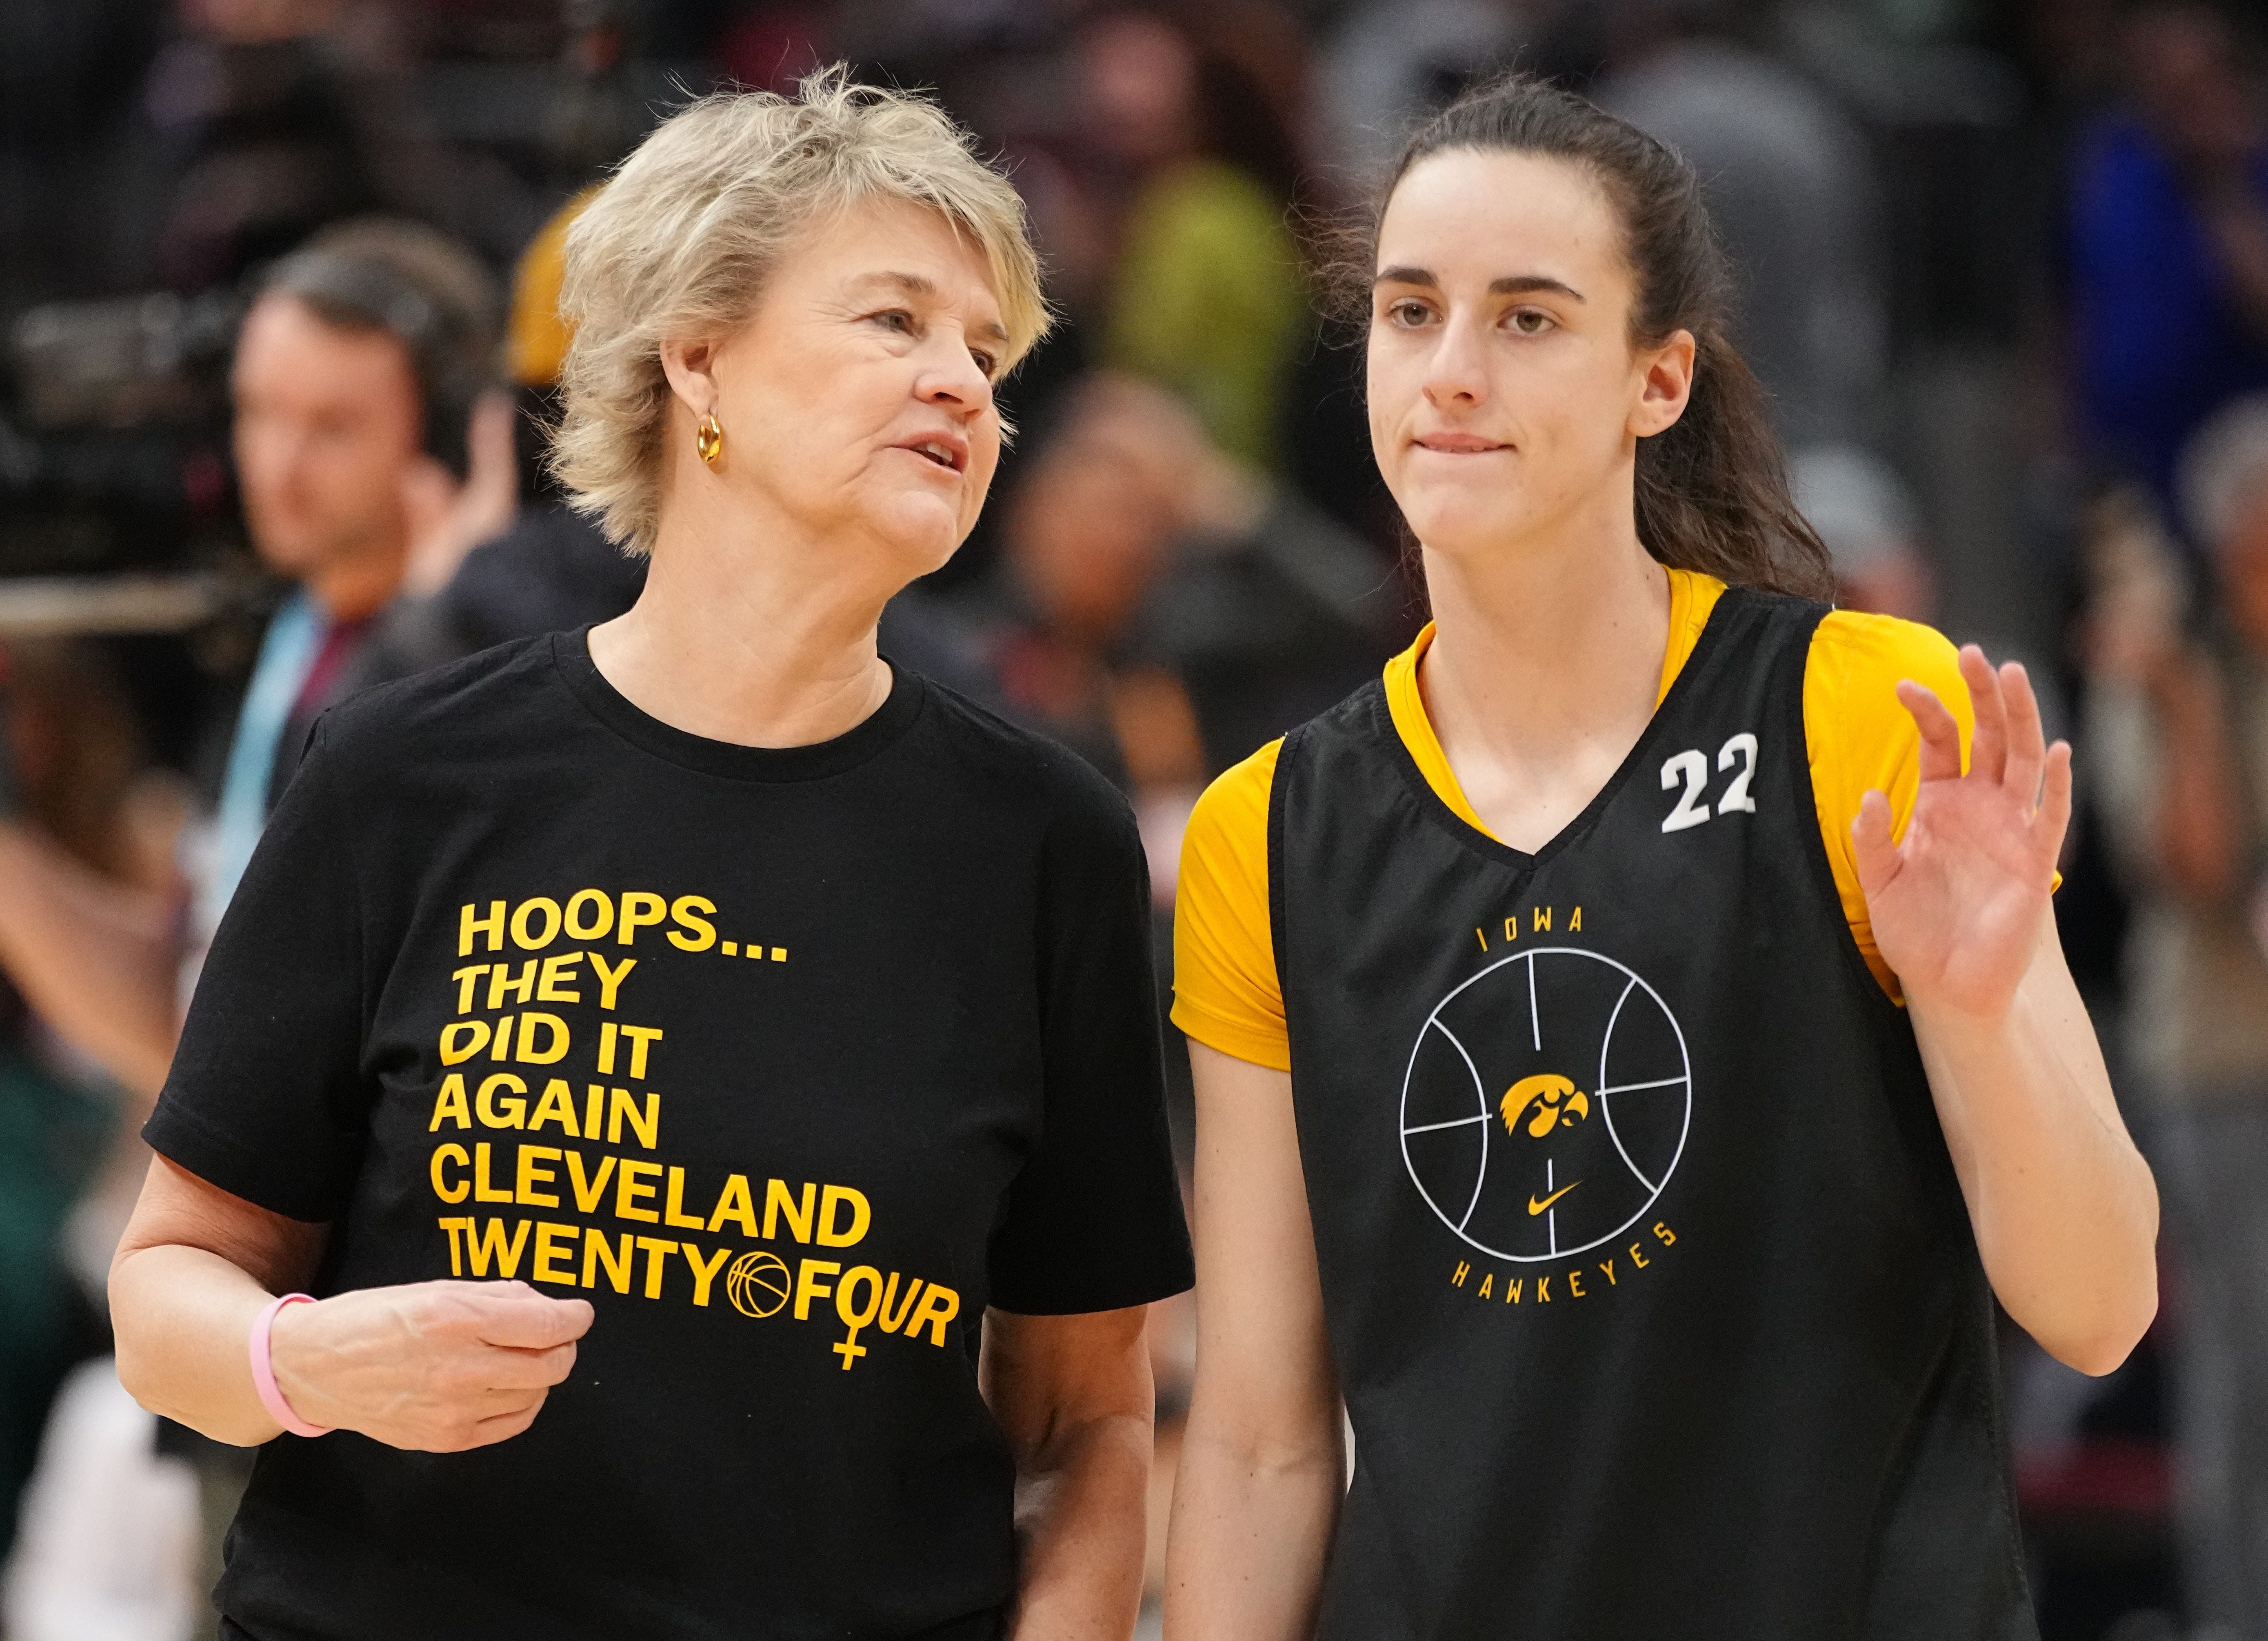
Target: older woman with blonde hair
706, 1077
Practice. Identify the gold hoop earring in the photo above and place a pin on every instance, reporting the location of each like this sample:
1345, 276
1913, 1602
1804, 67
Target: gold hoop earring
709, 439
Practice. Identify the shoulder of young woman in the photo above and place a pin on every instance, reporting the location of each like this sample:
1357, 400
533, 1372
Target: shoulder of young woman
1855, 726
1859, 738
1225, 992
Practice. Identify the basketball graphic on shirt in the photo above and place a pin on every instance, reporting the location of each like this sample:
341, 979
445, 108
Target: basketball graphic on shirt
1546, 1104
758, 1284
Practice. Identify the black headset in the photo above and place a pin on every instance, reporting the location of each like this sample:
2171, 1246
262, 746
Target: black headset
346, 286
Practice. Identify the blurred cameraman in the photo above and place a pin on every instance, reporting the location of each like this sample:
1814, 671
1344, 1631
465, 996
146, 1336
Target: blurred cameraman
372, 453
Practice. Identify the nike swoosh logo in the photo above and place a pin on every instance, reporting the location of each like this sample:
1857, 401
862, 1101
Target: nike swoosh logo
1535, 1206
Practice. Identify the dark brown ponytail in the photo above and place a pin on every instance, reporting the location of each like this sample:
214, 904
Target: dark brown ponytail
1712, 491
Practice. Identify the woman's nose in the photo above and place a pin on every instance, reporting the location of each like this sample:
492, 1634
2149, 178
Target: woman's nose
1455, 369
954, 377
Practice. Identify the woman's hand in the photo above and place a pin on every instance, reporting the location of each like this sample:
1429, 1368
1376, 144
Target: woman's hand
446, 518
431, 1366
2064, 1210
1959, 905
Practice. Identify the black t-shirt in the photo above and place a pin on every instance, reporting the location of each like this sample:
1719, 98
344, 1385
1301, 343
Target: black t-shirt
789, 1061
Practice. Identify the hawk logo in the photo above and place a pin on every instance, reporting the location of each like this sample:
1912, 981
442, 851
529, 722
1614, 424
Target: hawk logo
1500, 1170
1557, 1103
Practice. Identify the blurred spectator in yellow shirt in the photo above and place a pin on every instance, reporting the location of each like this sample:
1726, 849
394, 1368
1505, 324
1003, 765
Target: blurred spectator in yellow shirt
1209, 299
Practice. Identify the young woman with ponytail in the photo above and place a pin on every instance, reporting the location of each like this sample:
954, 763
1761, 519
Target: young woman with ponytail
1632, 1047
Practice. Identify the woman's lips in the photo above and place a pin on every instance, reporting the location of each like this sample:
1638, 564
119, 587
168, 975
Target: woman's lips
945, 451
1459, 444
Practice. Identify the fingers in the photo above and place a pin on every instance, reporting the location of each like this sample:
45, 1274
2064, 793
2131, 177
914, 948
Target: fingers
1875, 855
491, 491
2027, 742
446, 518
498, 1422
503, 1426
503, 1369
488, 438
430, 495
2054, 817
434, 1366
514, 1314
428, 492
1940, 735
1988, 754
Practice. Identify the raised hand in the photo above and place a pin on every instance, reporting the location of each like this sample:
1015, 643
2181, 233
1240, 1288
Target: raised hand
448, 519
431, 1366
1958, 905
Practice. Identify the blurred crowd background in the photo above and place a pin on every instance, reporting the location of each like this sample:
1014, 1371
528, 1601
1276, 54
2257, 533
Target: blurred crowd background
2005, 271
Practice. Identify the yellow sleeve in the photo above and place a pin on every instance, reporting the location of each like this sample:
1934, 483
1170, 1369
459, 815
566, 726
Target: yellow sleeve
1859, 738
1225, 992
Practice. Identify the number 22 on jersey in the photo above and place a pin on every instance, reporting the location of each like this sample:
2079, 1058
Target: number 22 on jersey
1691, 767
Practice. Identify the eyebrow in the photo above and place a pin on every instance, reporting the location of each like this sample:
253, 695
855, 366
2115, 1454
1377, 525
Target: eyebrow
1510, 285
922, 285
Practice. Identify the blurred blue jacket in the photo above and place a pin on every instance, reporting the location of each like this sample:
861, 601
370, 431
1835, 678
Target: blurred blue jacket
2157, 344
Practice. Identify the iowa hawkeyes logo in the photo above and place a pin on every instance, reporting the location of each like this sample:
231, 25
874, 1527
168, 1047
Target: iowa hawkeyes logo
1555, 1103
1548, 1101
1497, 1134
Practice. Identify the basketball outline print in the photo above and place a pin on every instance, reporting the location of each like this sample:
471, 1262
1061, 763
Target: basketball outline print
1546, 1104
749, 1276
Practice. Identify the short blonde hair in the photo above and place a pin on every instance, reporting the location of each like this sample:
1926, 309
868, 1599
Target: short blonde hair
678, 243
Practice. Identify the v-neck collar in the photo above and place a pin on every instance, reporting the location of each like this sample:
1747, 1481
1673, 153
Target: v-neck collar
1426, 767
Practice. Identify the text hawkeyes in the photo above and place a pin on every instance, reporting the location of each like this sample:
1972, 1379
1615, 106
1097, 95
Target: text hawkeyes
1603, 1274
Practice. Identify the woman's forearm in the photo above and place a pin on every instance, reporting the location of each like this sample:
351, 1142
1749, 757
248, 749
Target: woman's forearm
183, 1317
2065, 1209
1251, 1535
1263, 1457
96, 957
434, 1366
1080, 1505
191, 1271
1073, 1396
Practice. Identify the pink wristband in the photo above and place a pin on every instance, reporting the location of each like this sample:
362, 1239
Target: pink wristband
263, 1372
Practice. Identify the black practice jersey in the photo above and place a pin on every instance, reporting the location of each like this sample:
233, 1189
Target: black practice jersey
1649, 1283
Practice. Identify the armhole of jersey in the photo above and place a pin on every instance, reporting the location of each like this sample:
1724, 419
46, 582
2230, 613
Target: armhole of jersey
1822, 856
1284, 755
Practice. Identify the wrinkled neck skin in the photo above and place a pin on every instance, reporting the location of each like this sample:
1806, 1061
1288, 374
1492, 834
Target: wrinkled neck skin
1546, 661
754, 627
